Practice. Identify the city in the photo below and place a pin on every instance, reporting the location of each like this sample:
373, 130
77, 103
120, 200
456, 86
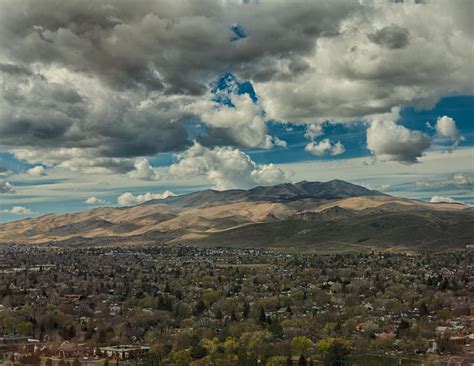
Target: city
175, 305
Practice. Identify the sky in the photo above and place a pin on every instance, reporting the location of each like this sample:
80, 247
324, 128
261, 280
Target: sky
112, 103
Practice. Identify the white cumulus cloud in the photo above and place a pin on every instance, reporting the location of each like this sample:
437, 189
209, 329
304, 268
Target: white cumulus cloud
225, 168
439, 199
37, 171
241, 124
462, 180
388, 141
143, 171
325, 147
313, 130
94, 201
446, 128
128, 198
18, 210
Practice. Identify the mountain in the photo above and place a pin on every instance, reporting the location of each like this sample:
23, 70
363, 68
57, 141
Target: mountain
285, 192
305, 216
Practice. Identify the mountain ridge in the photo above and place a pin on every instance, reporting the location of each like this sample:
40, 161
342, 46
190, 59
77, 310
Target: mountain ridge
277, 193
307, 216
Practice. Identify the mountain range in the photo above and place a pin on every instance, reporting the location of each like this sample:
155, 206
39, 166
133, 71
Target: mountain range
329, 216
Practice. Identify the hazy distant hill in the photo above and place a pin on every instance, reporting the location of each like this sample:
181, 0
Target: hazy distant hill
325, 216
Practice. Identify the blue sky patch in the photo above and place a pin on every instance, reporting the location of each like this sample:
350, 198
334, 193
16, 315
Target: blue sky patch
238, 32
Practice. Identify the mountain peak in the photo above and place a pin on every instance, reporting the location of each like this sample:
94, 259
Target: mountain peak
283, 192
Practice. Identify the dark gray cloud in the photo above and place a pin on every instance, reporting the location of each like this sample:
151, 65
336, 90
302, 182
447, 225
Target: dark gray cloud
165, 45
15, 69
392, 37
38, 113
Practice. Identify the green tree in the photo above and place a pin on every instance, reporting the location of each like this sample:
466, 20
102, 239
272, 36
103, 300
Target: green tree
276, 361
333, 350
300, 345
24, 328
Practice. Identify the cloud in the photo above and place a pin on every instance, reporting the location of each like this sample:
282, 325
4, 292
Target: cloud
167, 45
241, 124
440, 199
92, 86
76, 160
60, 111
5, 172
6, 187
350, 78
128, 198
445, 182
116, 83
275, 141
232, 115
446, 128
37, 171
18, 210
94, 201
388, 141
325, 147
391, 37
462, 180
426, 184
143, 171
313, 130
225, 168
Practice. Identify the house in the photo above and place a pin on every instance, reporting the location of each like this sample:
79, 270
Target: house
124, 352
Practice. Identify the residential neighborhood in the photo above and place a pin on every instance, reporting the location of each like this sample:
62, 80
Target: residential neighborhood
176, 305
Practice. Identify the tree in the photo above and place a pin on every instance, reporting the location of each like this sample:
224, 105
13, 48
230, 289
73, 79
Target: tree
403, 326
198, 351
246, 310
300, 345
256, 344
200, 307
302, 361
231, 346
182, 358
424, 309
333, 350
9, 325
276, 361
158, 351
262, 318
